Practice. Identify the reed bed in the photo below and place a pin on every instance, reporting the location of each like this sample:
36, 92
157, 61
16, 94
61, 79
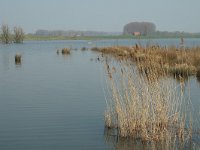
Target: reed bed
65, 51
143, 107
176, 61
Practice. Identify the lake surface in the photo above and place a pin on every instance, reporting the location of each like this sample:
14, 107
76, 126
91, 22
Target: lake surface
53, 101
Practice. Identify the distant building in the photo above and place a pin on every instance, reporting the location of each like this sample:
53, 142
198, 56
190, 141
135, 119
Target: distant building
136, 33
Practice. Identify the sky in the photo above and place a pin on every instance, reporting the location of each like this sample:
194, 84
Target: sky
100, 15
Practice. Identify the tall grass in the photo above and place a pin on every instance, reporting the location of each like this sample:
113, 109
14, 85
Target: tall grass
143, 107
176, 61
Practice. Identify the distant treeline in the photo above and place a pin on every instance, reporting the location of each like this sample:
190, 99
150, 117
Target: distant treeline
142, 29
148, 29
175, 34
73, 33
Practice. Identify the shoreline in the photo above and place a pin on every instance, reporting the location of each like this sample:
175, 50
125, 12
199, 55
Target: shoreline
115, 37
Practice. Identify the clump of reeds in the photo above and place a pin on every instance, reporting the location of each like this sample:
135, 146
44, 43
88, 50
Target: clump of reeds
65, 51
145, 108
183, 70
18, 59
115, 50
95, 49
177, 61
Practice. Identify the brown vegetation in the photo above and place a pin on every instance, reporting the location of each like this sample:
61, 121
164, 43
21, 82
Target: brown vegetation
17, 59
140, 107
140, 104
173, 60
65, 51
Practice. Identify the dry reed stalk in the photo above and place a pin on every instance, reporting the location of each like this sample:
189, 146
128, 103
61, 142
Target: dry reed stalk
144, 107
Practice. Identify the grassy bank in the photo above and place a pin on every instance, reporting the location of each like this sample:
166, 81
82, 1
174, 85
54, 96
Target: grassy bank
39, 38
33, 37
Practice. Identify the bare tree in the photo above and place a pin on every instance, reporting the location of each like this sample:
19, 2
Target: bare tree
18, 35
5, 34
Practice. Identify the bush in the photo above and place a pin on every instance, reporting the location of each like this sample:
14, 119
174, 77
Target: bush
18, 35
5, 34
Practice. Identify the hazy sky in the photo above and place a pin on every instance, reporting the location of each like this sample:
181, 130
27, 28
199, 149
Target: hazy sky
100, 15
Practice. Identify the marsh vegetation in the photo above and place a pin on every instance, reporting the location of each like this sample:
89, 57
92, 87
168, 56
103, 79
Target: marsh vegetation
176, 61
143, 100
65, 51
145, 107
18, 59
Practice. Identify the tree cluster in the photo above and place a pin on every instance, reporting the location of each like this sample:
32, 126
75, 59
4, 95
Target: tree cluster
144, 28
6, 36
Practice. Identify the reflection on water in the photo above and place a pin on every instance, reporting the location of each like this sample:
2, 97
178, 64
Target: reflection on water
198, 79
50, 101
120, 143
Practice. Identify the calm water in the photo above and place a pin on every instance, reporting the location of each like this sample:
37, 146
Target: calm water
52, 101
